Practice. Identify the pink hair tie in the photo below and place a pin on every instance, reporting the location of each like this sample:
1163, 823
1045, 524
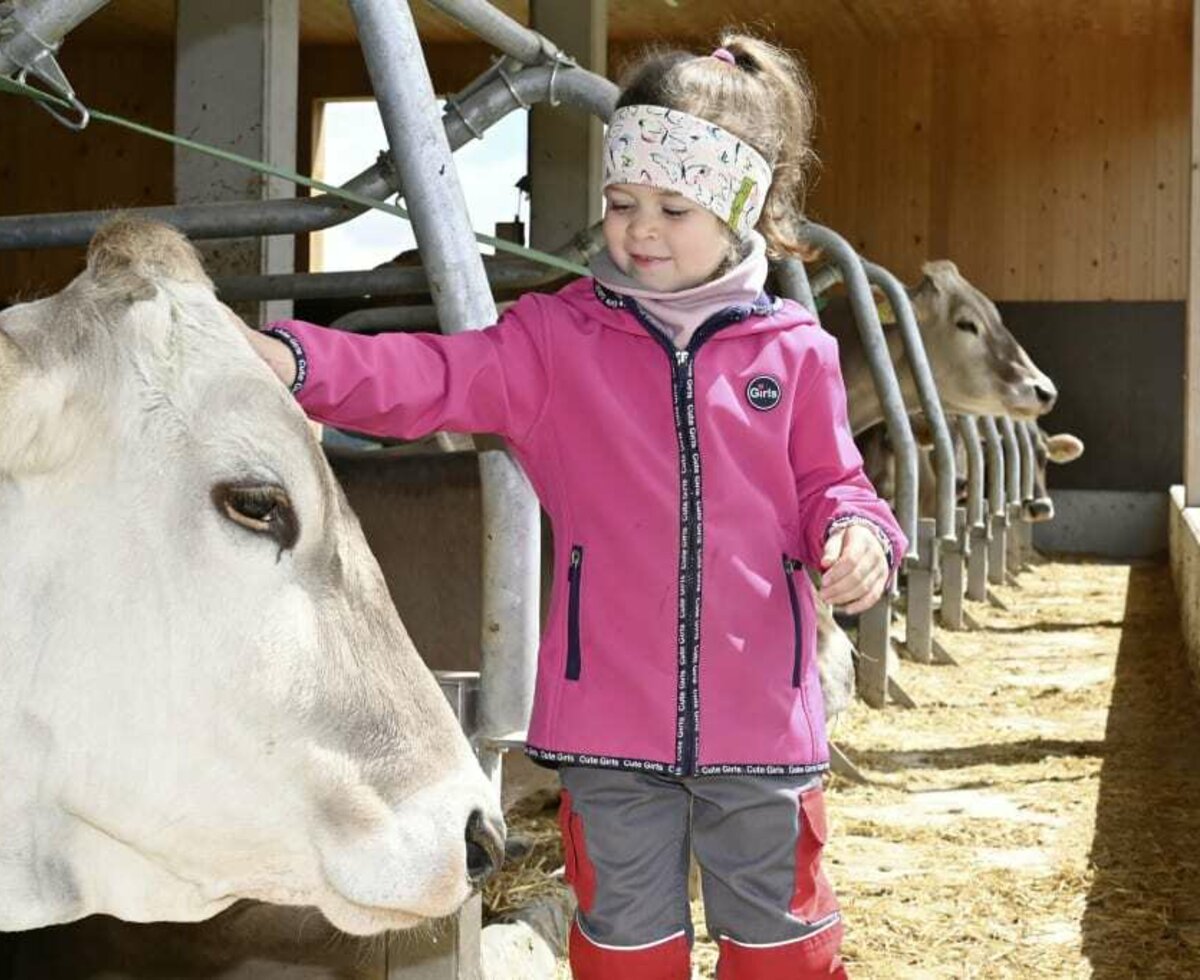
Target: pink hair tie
725, 55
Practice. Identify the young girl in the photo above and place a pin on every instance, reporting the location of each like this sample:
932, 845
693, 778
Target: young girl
686, 433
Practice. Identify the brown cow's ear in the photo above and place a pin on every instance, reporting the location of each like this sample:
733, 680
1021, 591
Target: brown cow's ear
1063, 448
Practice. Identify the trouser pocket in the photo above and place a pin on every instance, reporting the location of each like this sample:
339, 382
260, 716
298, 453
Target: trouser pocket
812, 899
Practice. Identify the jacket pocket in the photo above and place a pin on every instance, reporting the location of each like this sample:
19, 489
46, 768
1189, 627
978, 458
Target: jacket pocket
790, 567
574, 578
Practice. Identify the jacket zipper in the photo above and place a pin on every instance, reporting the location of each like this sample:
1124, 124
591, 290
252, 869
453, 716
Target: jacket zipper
574, 575
789, 569
691, 523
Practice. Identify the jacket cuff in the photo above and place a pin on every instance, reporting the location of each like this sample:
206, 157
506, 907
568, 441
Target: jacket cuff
848, 520
297, 349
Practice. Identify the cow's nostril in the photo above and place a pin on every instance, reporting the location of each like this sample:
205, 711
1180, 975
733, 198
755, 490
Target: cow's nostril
485, 849
1046, 396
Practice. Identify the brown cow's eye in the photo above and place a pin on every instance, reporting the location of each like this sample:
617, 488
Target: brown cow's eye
263, 508
968, 325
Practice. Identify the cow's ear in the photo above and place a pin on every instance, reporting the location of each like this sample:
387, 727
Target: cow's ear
938, 274
1063, 448
35, 436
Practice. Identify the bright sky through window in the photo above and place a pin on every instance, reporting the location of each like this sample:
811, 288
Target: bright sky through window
489, 170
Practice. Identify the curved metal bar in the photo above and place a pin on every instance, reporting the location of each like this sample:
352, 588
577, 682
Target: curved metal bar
931, 404
969, 429
577, 87
995, 466
793, 282
1012, 460
866, 317
1028, 460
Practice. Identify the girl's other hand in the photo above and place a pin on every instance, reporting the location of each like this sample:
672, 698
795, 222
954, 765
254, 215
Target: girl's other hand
854, 569
274, 351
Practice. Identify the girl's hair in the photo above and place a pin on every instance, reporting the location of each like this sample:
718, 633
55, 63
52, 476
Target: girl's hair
764, 98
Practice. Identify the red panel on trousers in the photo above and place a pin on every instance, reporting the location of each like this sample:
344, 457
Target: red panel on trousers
813, 898
578, 871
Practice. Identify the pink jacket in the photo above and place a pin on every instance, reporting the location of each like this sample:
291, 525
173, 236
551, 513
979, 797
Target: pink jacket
685, 488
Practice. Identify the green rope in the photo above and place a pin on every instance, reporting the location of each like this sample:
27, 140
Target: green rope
543, 258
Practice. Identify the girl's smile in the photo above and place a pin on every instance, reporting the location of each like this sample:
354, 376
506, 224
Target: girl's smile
663, 240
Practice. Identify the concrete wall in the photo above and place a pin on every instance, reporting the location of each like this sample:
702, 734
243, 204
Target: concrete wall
1118, 368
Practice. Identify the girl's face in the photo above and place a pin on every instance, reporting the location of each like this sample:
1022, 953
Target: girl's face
663, 240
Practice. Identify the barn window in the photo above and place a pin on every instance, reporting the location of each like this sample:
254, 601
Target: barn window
347, 137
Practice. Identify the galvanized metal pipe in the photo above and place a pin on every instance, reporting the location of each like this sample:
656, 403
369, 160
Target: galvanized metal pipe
1012, 459
883, 372
498, 29
512, 540
969, 430
576, 87
978, 526
1028, 460
997, 503
995, 466
1013, 472
927, 393
232, 219
42, 24
792, 278
393, 319
387, 281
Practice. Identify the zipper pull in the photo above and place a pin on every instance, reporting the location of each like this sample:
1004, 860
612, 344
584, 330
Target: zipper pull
789, 565
576, 556
681, 357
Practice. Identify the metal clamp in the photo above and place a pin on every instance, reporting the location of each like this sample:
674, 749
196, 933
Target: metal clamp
511, 88
560, 59
452, 103
24, 48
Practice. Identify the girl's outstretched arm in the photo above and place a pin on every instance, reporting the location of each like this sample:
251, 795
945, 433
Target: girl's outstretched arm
409, 385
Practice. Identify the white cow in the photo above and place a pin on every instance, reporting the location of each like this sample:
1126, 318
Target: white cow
207, 693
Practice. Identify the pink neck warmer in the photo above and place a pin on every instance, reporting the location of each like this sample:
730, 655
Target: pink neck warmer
678, 314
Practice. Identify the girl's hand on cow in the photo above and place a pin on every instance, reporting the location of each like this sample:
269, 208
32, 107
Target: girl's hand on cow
854, 569
274, 351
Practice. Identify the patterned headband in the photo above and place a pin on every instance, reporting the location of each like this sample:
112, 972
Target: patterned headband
672, 150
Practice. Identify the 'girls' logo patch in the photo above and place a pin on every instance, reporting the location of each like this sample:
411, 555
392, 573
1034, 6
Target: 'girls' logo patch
764, 392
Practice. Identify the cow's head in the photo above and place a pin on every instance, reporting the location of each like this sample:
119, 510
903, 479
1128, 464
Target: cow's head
207, 691
978, 365
1061, 448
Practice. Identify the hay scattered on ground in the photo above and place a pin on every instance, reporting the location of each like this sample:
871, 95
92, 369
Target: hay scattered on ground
1038, 815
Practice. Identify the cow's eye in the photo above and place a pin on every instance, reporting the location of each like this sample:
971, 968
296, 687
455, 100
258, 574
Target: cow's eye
264, 508
968, 325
